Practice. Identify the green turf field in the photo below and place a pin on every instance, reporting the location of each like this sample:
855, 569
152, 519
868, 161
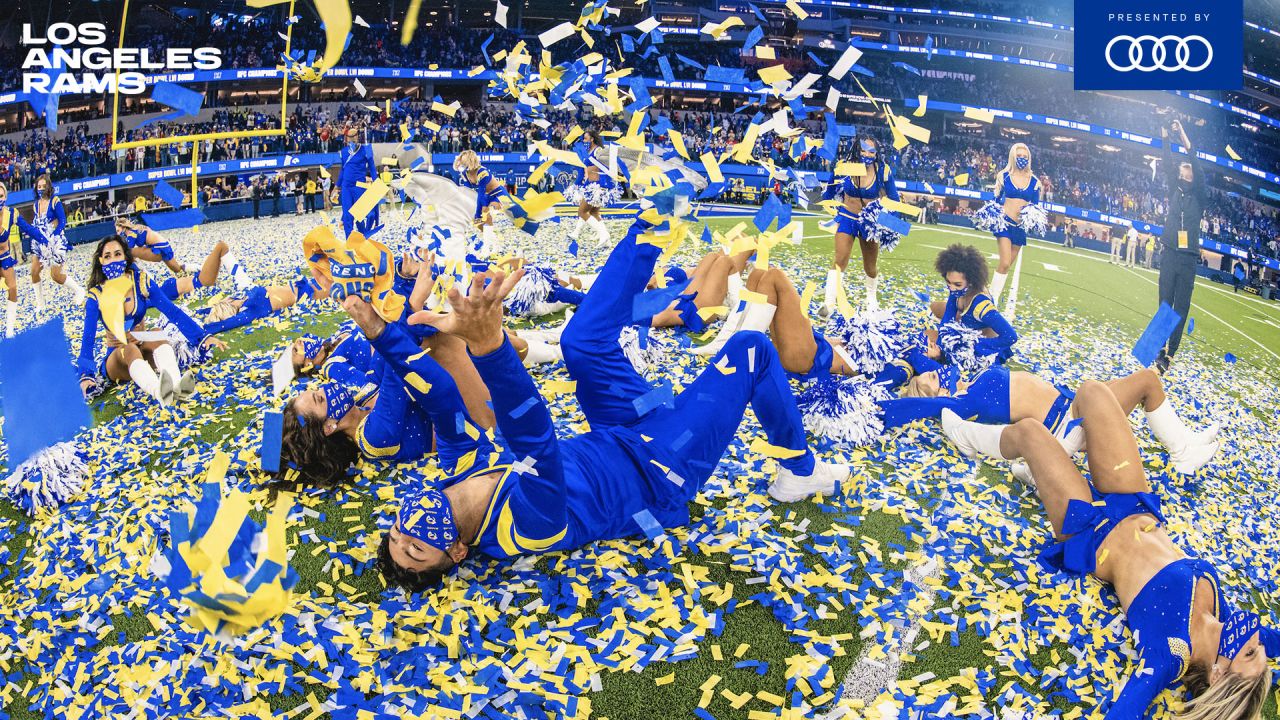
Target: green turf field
1077, 294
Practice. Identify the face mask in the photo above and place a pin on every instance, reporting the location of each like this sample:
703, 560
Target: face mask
113, 269
1237, 631
957, 294
311, 346
426, 516
948, 377
337, 399
868, 152
1022, 163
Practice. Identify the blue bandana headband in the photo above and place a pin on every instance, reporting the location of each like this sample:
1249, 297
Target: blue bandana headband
426, 515
1236, 631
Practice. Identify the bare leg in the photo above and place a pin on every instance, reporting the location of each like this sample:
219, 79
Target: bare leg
1058, 481
870, 256
1007, 254
712, 274
174, 266
281, 297
1142, 388
10, 283
212, 264
791, 331
120, 360
58, 274
36, 267
1114, 462
451, 353
844, 248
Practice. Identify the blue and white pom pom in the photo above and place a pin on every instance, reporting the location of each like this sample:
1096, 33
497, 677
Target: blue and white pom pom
187, 354
871, 340
48, 479
875, 232
593, 194
642, 351
959, 342
843, 408
533, 288
1034, 219
991, 218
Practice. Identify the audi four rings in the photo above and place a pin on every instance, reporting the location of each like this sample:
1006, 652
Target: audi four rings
1159, 53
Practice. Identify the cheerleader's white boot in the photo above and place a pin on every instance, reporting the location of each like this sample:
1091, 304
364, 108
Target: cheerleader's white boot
180, 387
158, 387
971, 438
735, 289
829, 293
754, 317
601, 230
789, 487
38, 288
10, 317
1188, 451
873, 302
77, 290
539, 352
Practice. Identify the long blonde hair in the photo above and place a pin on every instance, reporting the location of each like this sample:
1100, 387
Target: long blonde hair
1234, 697
915, 389
1010, 164
466, 161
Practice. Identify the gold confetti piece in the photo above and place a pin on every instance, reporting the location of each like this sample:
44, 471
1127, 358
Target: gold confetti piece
1122, 465
924, 103
962, 179
796, 10
774, 74
979, 114
665, 680
1232, 154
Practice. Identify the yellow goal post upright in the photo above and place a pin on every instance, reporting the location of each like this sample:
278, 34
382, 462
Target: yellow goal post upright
197, 137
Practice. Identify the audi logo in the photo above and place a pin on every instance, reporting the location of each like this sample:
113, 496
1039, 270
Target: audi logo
1160, 55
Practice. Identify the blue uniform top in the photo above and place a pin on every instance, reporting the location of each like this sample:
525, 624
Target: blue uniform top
1009, 191
481, 186
357, 165
882, 183
579, 490
146, 295
136, 237
398, 429
55, 215
351, 361
1160, 618
983, 315
986, 401
11, 223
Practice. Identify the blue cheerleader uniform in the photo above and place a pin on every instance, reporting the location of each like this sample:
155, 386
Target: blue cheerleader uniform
1160, 616
147, 294
484, 198
982, 315
52, 223
986, 400
137, 239
992, 218
12, 226
598, 193
357, 164
865, 224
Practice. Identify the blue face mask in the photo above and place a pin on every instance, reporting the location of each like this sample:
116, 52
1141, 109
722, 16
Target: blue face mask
337, 399
311, 346
113, 269
1236, 631
1022, 163
426, 515
868, 152
948, 377
957, 294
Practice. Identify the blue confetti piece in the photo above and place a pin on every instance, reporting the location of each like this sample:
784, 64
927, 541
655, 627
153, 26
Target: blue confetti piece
1231, 359
1156, 335
43, 405
1191, 325
753, 37
174, 220
894, 223
272, 438
169, 194
523, 408
177, 97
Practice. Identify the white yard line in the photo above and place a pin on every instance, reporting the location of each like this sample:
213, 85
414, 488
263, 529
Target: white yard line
1011, 303
1242, 333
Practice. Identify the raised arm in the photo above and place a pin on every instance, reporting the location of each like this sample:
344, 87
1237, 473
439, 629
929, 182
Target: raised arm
890, 185
988, 315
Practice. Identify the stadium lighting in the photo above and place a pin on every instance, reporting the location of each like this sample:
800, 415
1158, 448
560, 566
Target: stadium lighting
1063, 138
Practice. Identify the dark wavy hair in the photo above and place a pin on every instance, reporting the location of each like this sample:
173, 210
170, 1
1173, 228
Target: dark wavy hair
320, 460
96, 276
966, 260
410, 580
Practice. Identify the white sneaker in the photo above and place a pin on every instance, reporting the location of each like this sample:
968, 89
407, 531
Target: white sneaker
789, 487
1022, 473
1193, 457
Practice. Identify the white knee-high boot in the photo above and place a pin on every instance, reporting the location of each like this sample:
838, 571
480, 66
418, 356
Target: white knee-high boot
38, 287
231, 265
539, 352
77, 289
1188, 451
145, 377
735, 289
973, 438
997, 285
602, 231
829, 293
574, 227
873, 302
10, 317
757, 316
167, 362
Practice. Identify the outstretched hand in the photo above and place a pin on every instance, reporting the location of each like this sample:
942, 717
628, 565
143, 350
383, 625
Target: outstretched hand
477, 316
362, 312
